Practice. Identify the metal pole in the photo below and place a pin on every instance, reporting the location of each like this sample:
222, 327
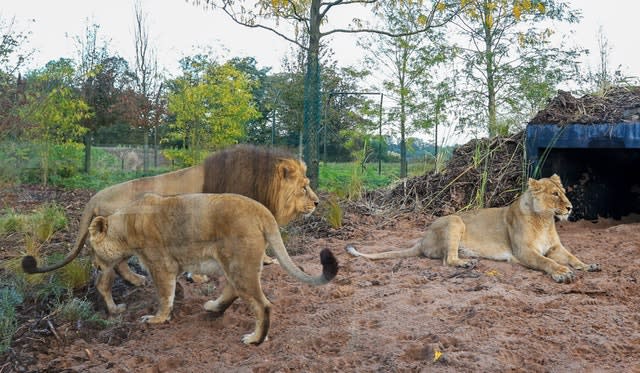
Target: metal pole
380, 139
273, 127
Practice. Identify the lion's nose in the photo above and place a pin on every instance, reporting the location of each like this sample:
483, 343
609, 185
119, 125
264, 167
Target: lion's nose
569, 208
316, 203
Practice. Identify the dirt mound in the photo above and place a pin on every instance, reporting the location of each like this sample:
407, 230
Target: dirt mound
615, 105
481, 173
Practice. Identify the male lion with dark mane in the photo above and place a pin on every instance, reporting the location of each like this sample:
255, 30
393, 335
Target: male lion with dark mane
523, 232
200, 233
268, 175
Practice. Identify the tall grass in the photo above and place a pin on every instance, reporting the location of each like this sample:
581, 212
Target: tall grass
9, 299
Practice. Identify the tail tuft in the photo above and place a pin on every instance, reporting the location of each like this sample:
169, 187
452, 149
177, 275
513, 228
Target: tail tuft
29, 264
352, 250
329, 264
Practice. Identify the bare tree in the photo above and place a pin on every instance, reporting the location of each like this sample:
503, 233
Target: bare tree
148, 83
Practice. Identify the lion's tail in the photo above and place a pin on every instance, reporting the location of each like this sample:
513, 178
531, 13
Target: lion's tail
328, 261
411, 252
30, 264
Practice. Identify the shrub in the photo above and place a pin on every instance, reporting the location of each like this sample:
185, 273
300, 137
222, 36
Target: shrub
334, 212
76, 274
9, 299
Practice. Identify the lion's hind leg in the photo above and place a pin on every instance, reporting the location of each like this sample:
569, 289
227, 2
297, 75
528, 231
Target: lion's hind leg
126, 273
223, 302
443, 241
247, 286
104, 283
164, 277
561, 255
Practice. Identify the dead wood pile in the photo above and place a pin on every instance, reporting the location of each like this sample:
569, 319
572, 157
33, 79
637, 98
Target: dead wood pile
614, 105
481, 173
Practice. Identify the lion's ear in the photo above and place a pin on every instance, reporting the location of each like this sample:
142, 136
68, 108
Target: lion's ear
285, 168
556, 179
532, 183
98, 228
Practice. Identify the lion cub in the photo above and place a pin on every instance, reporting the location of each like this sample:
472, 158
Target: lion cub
523, 232
199, 233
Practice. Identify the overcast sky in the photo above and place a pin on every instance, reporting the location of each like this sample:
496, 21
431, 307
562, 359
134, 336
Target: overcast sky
178, 28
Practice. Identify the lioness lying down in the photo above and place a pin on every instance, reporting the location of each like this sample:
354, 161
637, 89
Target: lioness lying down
523, 232
199, 233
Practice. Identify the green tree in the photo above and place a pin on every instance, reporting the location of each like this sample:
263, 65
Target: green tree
508, 56
311, 16
211, 104
258, 131
53, 111
405, 62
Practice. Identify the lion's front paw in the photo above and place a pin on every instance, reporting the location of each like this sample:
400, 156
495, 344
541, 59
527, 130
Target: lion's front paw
564, 275
468, 263
463, 263
594, 267
213, 307
153, 319
252, 339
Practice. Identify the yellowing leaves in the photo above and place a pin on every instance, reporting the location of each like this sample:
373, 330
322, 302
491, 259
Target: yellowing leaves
441, 7
437, 354
517, 12
526, 6
489, 20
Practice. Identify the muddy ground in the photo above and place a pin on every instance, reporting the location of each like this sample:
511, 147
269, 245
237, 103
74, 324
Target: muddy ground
396, 315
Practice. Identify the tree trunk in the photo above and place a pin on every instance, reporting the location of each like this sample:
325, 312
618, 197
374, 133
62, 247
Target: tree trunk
87, 152
403, 117
491, 84
145, 152
312, 87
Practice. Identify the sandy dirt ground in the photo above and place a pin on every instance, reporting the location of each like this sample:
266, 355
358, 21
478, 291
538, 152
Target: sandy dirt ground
401, 315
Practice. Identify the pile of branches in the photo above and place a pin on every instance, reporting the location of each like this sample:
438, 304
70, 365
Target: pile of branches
481, 173
615, 105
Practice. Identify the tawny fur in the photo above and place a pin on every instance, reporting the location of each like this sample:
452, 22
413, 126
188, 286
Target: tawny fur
197, 232
268, 175
523, 232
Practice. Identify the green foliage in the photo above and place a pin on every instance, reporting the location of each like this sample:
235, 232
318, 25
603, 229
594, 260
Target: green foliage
76, 274
9, 299
40, 225
46, 220
211, 104
334, 212
76, 309
53, 110
512, 67
184, 157
11, 222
